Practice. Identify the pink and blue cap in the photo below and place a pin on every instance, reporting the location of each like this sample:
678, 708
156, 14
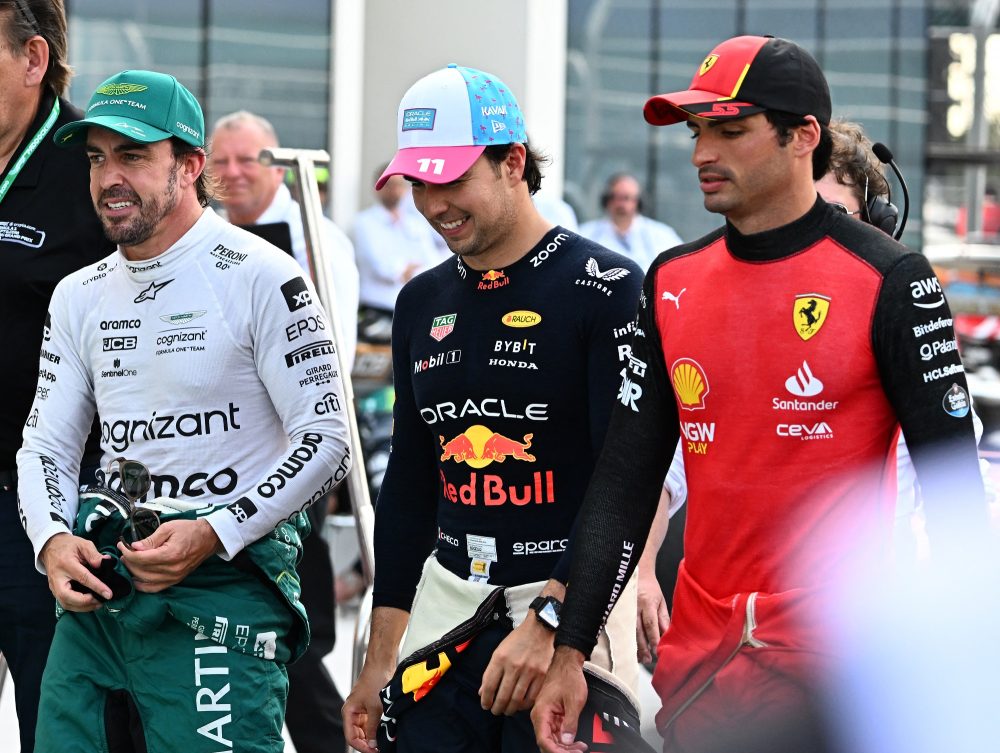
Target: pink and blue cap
447, 119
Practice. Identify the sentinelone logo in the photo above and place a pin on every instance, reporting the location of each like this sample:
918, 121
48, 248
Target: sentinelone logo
307, 352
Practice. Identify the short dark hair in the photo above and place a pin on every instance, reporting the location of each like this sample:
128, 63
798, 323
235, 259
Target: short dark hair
207, 184
852, 162
784, 122
533, 163
47, 19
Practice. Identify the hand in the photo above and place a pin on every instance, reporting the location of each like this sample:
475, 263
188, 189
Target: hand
170, 554
362, 710
516, 670
559, 703
65, 558
652, 619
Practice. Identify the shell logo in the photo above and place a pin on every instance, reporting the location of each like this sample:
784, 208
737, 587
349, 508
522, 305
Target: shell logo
690, 383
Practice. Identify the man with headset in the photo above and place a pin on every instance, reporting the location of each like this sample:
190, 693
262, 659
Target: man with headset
789, 296
624, 228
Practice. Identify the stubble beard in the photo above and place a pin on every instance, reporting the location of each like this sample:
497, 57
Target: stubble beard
138, 230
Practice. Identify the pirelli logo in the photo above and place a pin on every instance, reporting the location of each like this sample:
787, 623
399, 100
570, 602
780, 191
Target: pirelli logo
306, 352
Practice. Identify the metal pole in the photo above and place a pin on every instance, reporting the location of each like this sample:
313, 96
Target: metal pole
303, 164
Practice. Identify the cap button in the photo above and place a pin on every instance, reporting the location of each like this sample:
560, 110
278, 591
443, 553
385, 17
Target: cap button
452, 65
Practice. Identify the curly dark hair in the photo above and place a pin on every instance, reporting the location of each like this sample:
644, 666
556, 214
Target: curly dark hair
784, 122
533, 163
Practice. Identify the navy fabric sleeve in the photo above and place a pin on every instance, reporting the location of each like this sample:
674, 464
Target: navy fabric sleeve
921, 371
622, 497
406, 510
608, 356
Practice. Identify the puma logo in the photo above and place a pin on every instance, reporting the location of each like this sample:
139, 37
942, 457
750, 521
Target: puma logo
668, 296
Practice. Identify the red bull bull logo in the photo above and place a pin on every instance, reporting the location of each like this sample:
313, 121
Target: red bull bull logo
421, 678
479, 446
493, 279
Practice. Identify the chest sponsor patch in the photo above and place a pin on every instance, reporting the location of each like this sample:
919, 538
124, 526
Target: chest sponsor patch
810, 313
690, 383
442, 326
956, 402
22, 234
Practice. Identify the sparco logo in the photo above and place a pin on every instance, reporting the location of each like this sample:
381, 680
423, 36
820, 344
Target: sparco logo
120, 324
306, 352
296, 294
127, 342
289, 469
551, 546
122, 433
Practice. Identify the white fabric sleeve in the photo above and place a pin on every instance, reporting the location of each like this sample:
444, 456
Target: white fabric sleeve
319, 455
48, 463
676, 482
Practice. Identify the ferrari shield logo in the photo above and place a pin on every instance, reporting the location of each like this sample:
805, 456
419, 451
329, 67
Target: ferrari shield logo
442, 326
810, 313
707, 63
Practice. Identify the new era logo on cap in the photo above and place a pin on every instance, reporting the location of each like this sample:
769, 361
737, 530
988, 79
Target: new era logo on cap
447, 119
747, 75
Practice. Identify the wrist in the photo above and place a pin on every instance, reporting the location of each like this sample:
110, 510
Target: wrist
568, 656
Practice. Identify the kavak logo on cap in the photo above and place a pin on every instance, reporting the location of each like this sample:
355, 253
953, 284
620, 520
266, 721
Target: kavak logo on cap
447, 119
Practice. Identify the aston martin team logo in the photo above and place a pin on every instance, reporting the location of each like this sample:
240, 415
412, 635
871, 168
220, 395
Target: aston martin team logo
116, 90
810, 313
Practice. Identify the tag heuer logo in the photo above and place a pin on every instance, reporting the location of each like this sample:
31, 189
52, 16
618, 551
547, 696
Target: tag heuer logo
116, 90
442, 326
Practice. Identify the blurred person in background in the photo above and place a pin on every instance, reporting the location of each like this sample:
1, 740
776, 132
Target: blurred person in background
392, 245
48, 229
624, 228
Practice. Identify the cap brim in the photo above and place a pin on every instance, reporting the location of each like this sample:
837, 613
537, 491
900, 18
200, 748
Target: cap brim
431, 164
675, 107
75, 132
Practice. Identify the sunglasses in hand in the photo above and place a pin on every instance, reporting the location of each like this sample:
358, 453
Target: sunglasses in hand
135, 483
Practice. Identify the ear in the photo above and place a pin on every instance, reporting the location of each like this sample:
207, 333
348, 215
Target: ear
36, 51
807, 136
192, 165
515, 162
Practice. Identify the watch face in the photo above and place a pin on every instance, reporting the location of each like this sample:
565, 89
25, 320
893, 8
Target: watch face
549, 615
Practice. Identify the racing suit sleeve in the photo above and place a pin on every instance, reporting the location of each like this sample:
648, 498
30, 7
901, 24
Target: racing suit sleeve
609, 356
922, 374
314, 416
406, 511
624, 490
48, 463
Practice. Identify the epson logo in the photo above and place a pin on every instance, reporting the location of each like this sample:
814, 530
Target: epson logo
120, 324
310, 324
307, 352
550, 546
125, 342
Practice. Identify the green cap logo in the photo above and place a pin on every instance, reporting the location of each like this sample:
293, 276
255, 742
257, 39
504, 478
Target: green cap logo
115, 90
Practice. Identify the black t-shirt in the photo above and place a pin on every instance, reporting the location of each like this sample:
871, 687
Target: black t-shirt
48, 228
504, 383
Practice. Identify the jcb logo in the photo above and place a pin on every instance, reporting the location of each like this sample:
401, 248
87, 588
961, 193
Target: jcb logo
120, 343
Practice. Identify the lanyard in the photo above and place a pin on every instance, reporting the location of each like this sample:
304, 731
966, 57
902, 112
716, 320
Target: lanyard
8, 181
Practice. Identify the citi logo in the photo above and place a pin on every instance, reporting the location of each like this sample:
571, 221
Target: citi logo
803, 383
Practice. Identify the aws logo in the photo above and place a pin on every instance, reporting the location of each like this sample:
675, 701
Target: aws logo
478, 447
690, 383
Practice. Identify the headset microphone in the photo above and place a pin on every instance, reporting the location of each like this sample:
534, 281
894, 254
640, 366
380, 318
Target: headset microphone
885, 157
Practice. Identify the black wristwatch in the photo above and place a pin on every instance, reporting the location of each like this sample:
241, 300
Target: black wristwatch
546, 609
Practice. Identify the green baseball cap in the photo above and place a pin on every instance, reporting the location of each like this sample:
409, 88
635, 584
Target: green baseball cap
144, 106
